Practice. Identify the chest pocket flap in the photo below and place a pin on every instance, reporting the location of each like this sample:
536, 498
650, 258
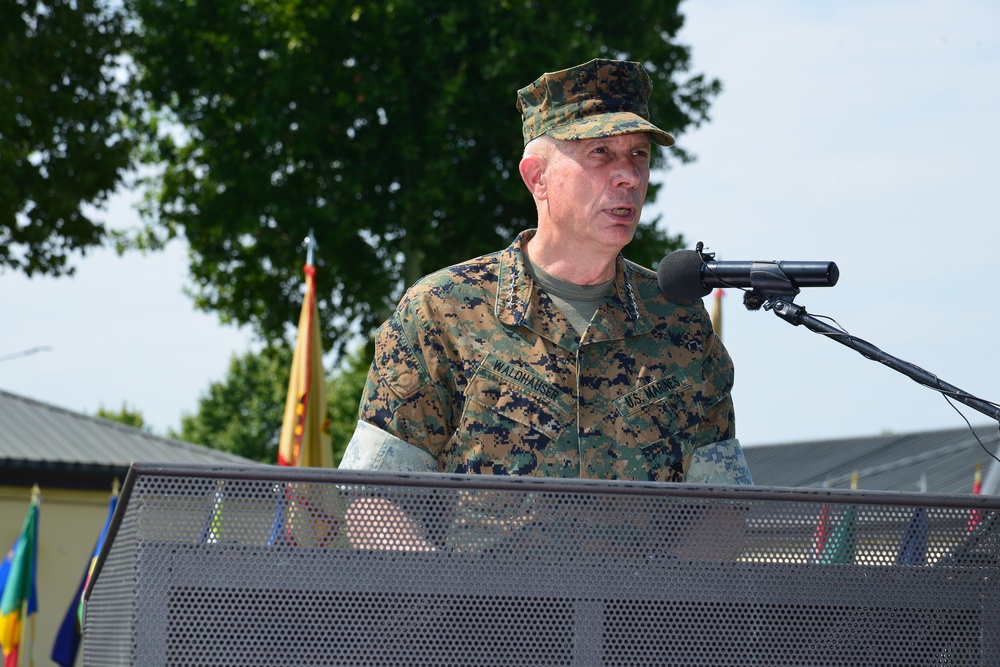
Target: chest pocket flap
518, 394
661, 410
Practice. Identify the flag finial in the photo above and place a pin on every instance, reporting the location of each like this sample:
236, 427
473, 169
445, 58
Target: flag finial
311, 246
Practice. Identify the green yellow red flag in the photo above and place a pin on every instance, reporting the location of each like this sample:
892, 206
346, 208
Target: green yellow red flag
18, 596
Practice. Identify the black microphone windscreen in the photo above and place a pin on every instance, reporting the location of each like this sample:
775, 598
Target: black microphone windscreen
679, 275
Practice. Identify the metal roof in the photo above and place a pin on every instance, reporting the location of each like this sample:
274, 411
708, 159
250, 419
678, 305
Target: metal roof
945, 460
42, 441
39, 441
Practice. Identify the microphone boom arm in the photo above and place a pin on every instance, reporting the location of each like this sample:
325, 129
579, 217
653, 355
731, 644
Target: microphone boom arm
797, 315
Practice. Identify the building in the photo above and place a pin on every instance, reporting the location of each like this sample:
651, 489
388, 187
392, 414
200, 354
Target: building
76, 460
933, 461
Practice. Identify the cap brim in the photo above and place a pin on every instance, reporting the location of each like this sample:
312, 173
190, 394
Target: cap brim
609, 125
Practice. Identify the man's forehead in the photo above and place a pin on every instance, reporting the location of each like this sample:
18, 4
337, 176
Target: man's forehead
631, 140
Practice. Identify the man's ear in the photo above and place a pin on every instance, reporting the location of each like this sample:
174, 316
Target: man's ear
532, 170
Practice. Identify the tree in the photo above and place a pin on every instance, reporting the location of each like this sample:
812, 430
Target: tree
343, 393
242, 414
64, 108
389, 128
126, 416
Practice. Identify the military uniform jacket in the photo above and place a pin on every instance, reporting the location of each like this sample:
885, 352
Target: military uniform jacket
478, 367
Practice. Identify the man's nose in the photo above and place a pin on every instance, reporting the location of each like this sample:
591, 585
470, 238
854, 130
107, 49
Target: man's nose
626, 174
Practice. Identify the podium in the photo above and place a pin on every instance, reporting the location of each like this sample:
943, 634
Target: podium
278, 566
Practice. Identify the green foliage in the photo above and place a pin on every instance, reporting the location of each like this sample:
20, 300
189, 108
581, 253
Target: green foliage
343, 393
388, 127
242, 414
125, 416
64, 140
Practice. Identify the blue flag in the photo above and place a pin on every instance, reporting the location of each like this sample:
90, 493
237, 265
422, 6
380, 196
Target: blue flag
67, 642
913, 545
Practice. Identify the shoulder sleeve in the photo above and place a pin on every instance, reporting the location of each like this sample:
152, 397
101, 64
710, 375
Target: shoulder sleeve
400, 397
371, 448
719, 463
717, 385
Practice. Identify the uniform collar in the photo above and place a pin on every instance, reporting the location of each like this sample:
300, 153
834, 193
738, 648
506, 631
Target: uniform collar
519, 302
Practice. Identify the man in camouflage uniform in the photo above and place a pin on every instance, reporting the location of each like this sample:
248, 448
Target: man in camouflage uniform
557, 356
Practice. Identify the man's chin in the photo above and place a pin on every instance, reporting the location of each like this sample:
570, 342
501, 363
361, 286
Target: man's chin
619, 235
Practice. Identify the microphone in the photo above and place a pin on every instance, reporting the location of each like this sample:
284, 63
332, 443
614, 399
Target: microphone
689, 274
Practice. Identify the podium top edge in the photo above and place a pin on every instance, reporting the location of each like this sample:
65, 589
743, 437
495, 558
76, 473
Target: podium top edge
284, 474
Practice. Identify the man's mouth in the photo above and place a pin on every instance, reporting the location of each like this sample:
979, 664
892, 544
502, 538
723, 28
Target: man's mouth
622, 212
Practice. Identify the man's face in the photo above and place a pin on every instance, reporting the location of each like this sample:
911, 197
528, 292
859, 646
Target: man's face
595, 188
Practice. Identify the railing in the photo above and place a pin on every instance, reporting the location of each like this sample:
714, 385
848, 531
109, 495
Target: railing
277, 566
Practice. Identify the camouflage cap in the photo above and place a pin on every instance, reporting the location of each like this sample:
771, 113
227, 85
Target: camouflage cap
600, 98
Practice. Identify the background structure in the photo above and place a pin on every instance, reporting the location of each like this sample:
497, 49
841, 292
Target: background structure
863, 133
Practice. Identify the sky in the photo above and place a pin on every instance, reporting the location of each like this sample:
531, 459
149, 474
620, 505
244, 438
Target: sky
864, 132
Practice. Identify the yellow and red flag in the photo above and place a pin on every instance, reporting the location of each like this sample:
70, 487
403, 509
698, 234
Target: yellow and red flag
18, 596
717, 313
305, 431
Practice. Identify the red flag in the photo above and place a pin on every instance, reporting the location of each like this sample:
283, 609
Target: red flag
977, 487
835, 540
821, 533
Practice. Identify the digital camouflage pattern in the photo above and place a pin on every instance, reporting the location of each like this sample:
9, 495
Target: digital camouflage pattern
721, 463
479, 367
601, 98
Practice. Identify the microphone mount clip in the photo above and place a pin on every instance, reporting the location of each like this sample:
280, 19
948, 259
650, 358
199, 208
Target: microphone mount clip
768, 283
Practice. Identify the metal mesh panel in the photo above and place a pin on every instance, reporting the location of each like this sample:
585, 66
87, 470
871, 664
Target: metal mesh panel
268, 566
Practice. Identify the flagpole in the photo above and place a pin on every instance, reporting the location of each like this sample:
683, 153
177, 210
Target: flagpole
310, 270
311, 245
28, 630
305, 434
27, 635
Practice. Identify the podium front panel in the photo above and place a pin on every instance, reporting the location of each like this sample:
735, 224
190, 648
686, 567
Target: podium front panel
273, 566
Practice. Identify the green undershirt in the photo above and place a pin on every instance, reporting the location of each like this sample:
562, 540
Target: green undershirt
577, 302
